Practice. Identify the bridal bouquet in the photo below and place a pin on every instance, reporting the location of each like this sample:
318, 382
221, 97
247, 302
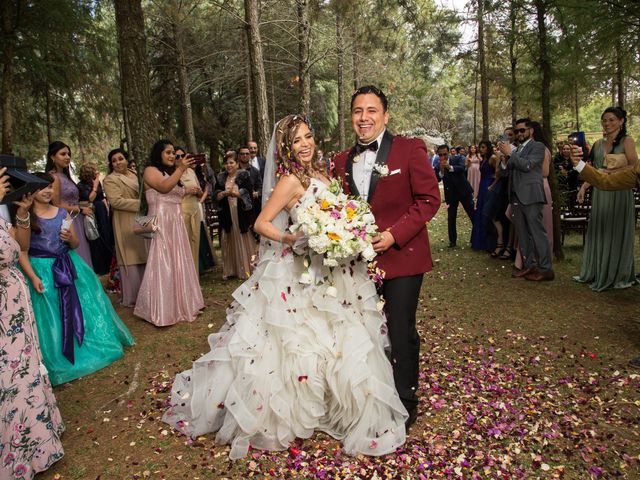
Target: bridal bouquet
336, 226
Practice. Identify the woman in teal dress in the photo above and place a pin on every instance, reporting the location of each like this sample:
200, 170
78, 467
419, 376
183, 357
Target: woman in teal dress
79, 330
607, 260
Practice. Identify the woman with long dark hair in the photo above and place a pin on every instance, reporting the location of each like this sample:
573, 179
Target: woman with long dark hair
473, 169
170, 290
479, 236
233, 196
122, 190
92, 193
608, 257
66, 194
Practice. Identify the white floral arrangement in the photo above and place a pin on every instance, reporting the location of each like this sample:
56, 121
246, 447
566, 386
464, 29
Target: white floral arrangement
381, 170
336, 226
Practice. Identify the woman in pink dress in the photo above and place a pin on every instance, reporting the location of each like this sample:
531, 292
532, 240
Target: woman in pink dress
170, 290
473, 170
30, 423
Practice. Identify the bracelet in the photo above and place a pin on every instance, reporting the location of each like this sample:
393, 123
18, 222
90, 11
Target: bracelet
26, 225
23, 220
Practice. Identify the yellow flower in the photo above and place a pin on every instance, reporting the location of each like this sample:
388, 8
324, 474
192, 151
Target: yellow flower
350, 213
325, 205
333, 236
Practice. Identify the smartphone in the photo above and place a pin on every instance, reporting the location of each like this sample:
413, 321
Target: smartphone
199, 158
503, 138
578, 138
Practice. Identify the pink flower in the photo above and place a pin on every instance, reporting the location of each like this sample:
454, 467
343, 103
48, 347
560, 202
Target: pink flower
9, 458
20, 470
27, 350
14, 364
18, 427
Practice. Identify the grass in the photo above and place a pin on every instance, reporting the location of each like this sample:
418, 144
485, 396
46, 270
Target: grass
521, 379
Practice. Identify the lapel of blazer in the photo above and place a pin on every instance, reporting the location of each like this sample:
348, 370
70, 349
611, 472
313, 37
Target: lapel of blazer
348, 167
381, 159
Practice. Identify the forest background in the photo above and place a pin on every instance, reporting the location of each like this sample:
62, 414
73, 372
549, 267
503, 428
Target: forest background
213, 74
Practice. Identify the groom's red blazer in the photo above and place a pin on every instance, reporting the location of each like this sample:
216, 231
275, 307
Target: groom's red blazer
402, 201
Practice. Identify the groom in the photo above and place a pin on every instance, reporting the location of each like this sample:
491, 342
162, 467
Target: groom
395, 176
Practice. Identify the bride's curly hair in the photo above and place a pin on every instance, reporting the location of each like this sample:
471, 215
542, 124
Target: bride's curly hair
286, 131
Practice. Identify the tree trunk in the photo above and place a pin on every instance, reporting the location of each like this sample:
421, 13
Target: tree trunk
576, 102
484, 81
355, 41
341, 106
475, 108
134, 75
619, 74
545, 99
545, 67
47, 107
183, 85
9, 40
304, 45
248, 90
257, 70
513, 61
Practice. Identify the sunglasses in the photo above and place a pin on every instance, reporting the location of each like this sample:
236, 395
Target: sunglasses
181, 155
520, 130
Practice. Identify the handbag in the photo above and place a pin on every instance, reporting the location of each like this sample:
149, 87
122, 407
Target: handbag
91, 228
146, 225
615, 160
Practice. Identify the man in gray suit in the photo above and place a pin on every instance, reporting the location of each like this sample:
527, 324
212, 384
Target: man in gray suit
526, 194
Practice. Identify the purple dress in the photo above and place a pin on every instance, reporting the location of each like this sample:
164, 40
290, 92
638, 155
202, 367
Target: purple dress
69, 193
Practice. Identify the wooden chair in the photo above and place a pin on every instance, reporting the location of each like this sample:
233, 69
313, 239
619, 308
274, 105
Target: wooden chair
574, 216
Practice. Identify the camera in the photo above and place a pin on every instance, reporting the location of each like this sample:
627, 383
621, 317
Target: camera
21, 182
503, 138
199, 158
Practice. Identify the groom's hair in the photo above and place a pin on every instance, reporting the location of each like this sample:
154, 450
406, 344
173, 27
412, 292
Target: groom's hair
370, 89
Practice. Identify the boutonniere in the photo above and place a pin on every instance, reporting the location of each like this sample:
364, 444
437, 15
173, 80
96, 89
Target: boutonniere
381, 170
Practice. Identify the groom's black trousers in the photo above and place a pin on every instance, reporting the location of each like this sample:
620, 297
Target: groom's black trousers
401, 295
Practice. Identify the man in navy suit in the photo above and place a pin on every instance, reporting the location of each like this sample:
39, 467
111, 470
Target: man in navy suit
457, 189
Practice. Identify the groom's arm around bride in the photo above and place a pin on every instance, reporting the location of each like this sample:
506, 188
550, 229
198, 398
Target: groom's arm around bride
395, 176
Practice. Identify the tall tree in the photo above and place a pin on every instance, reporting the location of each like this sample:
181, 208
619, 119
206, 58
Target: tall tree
252, 23
484, 80
183, 84
304, 45
545, 65
134, 76
10, 18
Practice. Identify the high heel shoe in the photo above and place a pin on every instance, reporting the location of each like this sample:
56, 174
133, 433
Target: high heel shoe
498, 251
508, 253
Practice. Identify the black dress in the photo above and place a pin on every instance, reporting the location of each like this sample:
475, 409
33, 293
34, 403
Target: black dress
102, 248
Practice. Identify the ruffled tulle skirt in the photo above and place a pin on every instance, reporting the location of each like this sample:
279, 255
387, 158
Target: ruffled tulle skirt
104, 333
292, 359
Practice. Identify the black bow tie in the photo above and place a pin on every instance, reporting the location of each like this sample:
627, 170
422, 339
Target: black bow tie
362, 148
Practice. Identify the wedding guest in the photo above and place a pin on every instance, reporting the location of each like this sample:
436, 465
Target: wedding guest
480, 239
206, 253
170, 290
233, 195
92, 193
608, 256
78, 328
122, 189
66, 194
191, 211
473, 170
243, 158
31, 422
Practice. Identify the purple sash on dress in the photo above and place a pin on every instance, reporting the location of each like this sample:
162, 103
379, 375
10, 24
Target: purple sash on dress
64, 275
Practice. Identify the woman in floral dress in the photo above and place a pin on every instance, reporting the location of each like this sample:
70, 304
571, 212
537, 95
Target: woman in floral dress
30, 423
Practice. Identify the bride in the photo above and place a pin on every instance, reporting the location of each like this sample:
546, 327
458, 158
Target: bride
291, 358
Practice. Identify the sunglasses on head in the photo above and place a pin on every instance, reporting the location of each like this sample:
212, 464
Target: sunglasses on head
520, 130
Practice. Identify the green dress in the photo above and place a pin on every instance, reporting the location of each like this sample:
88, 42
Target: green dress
607, 260
105, 334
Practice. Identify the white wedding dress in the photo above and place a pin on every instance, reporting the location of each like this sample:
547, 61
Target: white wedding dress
291, 360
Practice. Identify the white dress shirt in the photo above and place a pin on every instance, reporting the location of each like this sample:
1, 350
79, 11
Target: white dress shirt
255, 163
363, 168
